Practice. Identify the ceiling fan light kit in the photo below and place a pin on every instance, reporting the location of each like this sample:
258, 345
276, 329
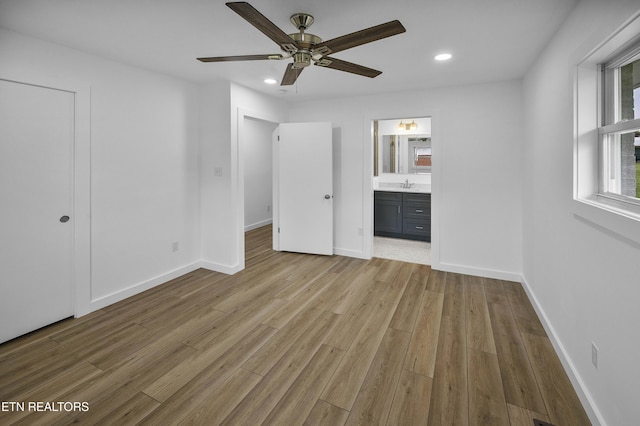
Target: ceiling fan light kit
306, 48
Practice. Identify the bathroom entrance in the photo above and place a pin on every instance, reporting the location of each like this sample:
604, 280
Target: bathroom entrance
401, 182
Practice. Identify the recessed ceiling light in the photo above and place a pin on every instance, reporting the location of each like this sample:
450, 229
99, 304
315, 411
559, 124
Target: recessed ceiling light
442, 57
270, 81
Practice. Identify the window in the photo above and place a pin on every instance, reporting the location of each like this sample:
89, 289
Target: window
620, 132
607, 129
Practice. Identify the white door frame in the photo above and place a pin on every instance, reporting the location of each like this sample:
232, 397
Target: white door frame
81, 191
436, 180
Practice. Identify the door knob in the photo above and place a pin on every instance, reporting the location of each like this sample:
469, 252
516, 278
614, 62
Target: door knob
64, 219
327, 196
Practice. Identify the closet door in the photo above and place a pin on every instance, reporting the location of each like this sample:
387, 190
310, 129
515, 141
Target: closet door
36, 181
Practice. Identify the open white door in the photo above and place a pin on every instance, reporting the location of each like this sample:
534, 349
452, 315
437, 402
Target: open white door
303, 188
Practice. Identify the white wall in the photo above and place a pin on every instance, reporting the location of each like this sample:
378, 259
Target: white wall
224, 108
156, 143
585, 279
258, 169
215, 190
477, 185
144, 180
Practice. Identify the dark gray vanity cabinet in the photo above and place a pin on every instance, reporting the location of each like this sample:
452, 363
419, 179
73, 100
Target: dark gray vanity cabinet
416, 216
402, 215
387, 213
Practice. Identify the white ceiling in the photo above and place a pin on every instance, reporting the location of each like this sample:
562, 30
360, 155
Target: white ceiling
491, 40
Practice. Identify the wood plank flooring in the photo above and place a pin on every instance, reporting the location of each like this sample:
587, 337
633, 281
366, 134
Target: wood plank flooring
298, 339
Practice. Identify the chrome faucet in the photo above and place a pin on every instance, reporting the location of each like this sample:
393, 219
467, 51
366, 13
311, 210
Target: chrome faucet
406, 184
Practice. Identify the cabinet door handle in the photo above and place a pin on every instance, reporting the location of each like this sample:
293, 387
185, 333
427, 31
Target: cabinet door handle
419, 227
419, 211
398, 209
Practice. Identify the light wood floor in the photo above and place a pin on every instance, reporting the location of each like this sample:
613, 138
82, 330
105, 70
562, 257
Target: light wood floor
299, 339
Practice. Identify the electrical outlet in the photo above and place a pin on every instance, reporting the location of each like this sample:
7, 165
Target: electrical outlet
175, 246
217, 171
268, 208
594, 355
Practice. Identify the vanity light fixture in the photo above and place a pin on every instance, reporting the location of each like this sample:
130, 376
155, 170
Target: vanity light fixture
270, 81
407, 126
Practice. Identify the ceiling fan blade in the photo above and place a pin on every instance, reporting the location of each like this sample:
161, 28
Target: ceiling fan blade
340, 65
290, 75
360, 37
240, 58
262, 23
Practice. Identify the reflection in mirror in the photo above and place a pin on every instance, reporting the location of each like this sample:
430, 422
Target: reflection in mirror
402, 148
419, 151
389, 158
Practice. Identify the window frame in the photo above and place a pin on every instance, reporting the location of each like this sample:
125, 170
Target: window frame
611, 213
611, 125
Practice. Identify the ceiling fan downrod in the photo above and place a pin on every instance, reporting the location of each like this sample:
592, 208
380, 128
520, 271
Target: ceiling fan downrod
302, 58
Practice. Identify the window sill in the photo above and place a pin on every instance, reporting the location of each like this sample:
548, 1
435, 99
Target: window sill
610, 216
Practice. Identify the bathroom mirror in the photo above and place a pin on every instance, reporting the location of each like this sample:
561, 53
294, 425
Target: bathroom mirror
402, 146
405, 154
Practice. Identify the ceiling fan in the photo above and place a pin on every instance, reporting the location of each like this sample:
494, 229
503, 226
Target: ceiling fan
305, 48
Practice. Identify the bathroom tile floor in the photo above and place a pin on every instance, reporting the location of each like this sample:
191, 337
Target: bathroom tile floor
403, 250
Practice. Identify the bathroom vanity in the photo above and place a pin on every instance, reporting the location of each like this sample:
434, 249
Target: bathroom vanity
402, 213
402, 178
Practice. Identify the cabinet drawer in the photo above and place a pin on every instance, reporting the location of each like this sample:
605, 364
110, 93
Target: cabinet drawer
416, 211
416, 227
416, 198
387, 196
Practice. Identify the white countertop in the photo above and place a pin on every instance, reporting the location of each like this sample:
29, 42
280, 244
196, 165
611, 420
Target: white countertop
398, 187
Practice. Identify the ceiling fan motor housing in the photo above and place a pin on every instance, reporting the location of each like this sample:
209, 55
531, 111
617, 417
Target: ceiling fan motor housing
306, 41
301, 59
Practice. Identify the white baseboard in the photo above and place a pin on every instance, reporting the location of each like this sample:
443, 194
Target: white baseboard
576, 380
257, 225
349, 253
112, 298
218, 267
479, 272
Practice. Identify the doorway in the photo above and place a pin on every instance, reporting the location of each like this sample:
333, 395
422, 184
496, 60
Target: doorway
401, 184
255, 162
257, 152
259, 173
